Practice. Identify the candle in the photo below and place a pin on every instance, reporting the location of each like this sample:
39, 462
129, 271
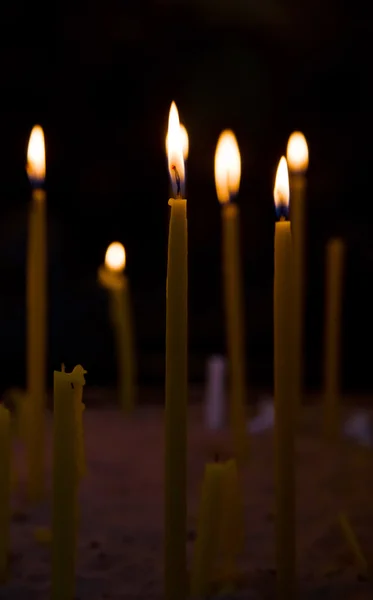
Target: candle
206, 545
36, 314
5, 484
112, 276
227, 179
232, 522
176, 373
65, 483
332, 332
284, 389
297, 158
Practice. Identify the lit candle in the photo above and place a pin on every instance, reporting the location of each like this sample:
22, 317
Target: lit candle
227, 179
332, 332
36, 314
5, 485
65, 483
112, 276
207, 540
176, 373
284, 389
297, 158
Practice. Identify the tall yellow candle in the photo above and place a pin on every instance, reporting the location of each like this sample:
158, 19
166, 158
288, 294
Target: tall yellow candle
65, 483
284, 388
5, 484
227, 178
332, 340
176, 374
112, 276
297, 158
36, 289
207, 540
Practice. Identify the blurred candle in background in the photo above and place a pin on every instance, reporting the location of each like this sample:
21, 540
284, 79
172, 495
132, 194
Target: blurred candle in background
284, 388
111, 275
5, 485
334, 269
297, 158
176, 372
36, 302
227, 180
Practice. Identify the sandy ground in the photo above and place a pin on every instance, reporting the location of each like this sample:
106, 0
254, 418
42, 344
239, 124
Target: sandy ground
120, 547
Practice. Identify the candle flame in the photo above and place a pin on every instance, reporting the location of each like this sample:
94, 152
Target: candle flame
297, 152
175, 151
115, 257
36, 155
184, 142
227, 167
281, 191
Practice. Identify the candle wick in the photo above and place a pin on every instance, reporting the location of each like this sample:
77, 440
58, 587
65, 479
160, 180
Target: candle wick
178, 182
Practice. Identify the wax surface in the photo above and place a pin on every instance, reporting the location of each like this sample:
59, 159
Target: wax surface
284, 411
176, 404
235, 329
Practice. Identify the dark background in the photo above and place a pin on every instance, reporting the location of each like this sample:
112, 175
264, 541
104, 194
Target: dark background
99, 78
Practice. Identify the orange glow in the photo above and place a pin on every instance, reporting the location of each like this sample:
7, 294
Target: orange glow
281, 190
227, 167
184, 142
297, 152
36, 154
115, 257
175, 151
